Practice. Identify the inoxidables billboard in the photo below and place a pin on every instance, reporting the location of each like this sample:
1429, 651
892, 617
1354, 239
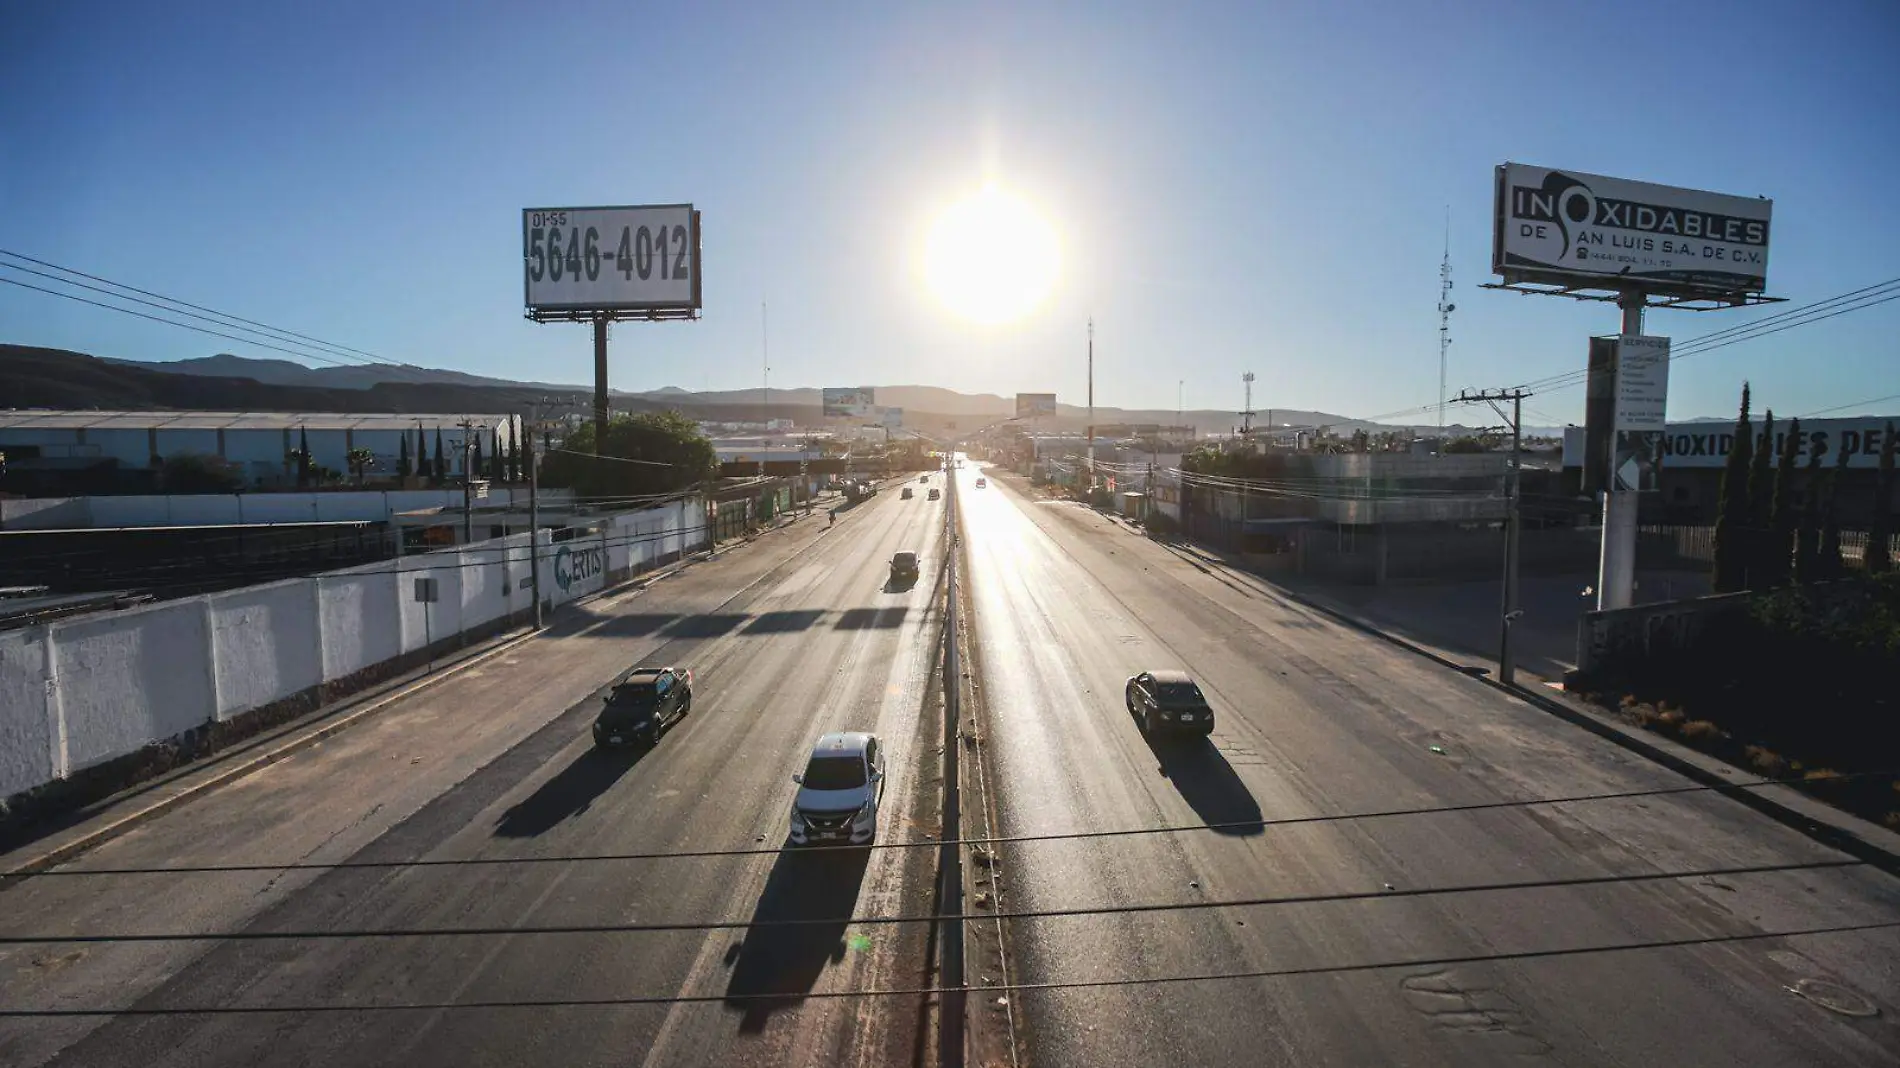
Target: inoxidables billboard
1587, 231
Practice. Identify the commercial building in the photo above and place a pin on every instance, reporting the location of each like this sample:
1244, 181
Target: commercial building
115, 452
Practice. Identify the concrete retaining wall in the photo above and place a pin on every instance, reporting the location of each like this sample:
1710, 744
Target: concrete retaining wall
81, 693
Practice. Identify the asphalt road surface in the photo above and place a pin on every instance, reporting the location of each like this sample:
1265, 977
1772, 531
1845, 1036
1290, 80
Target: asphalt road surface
790, 636
1322, 723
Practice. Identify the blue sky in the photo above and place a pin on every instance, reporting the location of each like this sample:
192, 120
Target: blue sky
1237, 187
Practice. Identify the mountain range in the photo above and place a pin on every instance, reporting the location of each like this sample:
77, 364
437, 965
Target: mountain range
56, 378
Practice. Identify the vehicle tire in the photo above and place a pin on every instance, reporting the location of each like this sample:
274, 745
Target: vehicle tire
1128, 699
1148, 722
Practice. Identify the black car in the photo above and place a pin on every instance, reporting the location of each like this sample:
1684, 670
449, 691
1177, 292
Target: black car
904, 567
1169, 701
642, 704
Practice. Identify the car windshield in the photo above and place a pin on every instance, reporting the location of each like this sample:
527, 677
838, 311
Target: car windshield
634, 693
1179, 692
834, 773
904, 558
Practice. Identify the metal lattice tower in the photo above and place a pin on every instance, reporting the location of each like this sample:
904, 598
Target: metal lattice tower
1445, 308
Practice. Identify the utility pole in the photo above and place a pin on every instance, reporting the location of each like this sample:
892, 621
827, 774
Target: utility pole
1246, 416
1616, 567
1508, 611
534, 523
468, 484
1180, 405
1091, 407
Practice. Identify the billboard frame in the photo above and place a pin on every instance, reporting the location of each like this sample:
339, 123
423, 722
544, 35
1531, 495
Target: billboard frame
1597, 286
643, 311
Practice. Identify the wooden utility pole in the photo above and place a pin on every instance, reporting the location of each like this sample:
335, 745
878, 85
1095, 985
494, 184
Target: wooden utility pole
1509, 611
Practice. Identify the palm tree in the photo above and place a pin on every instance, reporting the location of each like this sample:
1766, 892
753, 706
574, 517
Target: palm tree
360, 459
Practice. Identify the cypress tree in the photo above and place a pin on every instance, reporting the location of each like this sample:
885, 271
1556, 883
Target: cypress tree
1807, 551
303, 458
1761, 490
1780, 543
403, 466
1828, 566
1879, 557
441, 458
477, 465
1732, 509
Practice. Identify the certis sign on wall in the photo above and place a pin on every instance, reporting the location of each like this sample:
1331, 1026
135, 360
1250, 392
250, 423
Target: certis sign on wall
1708, 444
572, 565
1576, 229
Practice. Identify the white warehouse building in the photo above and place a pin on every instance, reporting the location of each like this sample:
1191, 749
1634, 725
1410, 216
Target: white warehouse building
256, 442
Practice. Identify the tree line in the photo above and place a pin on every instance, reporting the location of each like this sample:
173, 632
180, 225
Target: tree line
1764, 538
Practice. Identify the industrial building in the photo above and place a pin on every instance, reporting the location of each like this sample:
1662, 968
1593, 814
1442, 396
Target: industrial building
63, 452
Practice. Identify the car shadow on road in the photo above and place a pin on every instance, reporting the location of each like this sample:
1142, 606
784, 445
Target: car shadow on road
871, 618
569, 793
1208, 783
774, 967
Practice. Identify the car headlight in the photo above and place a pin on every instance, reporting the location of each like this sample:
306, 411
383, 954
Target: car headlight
798, 819
863, 817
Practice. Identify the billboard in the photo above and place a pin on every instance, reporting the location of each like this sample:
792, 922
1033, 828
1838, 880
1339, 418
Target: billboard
1642, 392
1574, 229
852, 401
610, 259
893, 418
1706, 444
1035, 404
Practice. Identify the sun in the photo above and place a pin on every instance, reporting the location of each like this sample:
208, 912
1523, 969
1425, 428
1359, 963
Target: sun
991, 258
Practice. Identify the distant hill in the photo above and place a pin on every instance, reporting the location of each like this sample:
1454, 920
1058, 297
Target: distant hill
56, 378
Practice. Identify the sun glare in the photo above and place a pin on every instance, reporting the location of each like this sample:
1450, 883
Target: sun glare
991, 258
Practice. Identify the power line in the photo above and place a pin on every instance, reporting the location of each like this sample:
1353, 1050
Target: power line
199, 307
1227, 827
748, 997
1078, 912
1851, 404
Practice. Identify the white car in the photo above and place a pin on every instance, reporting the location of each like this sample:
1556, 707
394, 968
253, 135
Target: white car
839, 790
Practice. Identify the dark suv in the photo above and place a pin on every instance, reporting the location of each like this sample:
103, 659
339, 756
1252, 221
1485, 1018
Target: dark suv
641, 705
1169, 701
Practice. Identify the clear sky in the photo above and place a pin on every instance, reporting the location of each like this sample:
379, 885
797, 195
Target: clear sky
1235, 187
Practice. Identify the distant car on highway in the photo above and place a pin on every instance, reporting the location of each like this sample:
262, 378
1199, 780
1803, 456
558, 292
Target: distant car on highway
924, 477
1164, 701
982, 483
904, 566
641, 705
936, 494
839, 790
907, 494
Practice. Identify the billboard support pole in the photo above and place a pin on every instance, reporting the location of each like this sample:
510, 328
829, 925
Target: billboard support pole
1616, 567
600, 396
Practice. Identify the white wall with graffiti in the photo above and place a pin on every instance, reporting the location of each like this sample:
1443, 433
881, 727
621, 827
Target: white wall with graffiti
80, 692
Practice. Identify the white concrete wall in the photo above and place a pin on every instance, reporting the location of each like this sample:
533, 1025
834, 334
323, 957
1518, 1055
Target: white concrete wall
79, 692
358, 618
266, 644
27, 738
126, 679
157, 510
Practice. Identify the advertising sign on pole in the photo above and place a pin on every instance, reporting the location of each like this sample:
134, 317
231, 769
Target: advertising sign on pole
618, 259
1572, 229
850, 401
1035, 404
893, 418
1642, 392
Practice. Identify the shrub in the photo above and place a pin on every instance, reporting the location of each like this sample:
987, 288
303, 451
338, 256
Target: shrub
1699, 730
1764, 760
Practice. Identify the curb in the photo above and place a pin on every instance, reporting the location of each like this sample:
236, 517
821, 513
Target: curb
1815, 819
326, 724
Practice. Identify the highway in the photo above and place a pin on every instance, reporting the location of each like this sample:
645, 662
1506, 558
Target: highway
1322, 724
790, 636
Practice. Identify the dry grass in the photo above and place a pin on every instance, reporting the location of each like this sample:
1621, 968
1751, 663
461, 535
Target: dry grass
1628, 701
1697, 730
1671, 717
1766, 761
1822, 775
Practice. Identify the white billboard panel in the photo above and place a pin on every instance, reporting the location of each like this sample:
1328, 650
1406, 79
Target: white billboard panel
611, 259
1035, 404
1642, 393
1571, 228
893, 418
856, 402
